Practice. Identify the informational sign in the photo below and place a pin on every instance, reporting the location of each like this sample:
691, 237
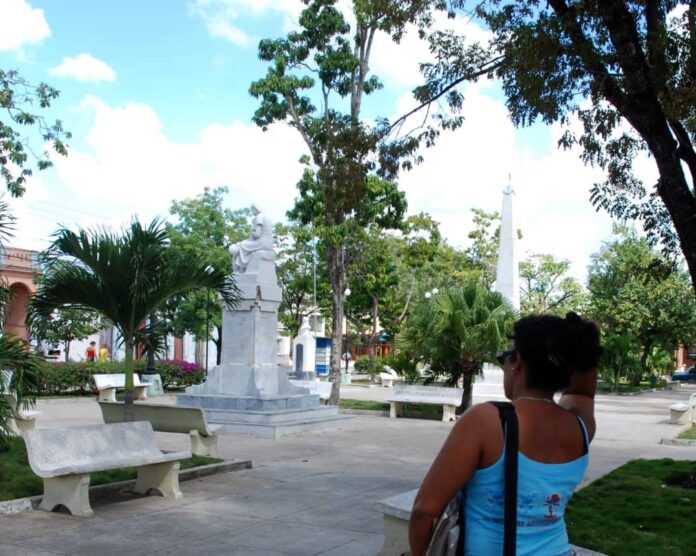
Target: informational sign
323, 356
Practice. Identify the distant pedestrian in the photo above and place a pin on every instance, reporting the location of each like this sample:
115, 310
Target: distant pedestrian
103, 353
347, 358
91, 351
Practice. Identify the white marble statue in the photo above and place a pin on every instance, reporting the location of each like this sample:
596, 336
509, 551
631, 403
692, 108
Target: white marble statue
258, 247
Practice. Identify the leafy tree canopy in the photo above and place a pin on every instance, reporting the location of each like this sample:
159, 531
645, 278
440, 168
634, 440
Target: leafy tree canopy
625, 69
203, 228
637, 293
18, 100
546, 288
316, 81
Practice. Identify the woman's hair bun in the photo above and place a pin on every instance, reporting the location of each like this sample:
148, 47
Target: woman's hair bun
572, 317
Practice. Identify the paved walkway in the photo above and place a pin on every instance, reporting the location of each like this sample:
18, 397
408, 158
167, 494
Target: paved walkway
309, 494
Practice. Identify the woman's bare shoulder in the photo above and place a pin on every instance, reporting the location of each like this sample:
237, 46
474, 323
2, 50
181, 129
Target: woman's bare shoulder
481, 417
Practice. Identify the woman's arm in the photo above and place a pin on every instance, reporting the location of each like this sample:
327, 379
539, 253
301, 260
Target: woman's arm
579, 398
453, 467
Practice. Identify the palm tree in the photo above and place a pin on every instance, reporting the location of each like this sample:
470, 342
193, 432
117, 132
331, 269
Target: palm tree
124, 277
456, 331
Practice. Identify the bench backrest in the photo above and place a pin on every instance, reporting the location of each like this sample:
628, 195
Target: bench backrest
116, 380
316, 388
427, 394
61, 451
163, 418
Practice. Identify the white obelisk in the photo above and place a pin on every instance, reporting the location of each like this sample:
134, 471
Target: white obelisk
507, 278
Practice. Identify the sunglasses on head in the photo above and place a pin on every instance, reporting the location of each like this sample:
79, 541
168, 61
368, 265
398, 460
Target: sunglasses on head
503, 356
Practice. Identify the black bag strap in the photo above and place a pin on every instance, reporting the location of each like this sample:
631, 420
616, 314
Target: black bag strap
508, 419
461, 499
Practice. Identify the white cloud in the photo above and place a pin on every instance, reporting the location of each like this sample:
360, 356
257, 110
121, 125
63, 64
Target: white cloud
20, 24
131, 165
398, 64
84, 67
221, 17
469, 168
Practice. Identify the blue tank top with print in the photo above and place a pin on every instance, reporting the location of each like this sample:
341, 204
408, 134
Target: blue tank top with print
544, 490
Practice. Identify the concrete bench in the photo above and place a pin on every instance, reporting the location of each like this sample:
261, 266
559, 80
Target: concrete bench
450, 398
171, 418
315, 387
23, 419
396, 512
683, 413
65, 457
108, 384
388, 377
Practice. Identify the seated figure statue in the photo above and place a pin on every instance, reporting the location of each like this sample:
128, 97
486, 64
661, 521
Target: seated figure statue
247, 253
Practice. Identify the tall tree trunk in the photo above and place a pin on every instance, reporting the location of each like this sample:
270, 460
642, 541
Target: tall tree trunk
337, 275
128, 409
647, 348
67, 351
371, 340
467, 384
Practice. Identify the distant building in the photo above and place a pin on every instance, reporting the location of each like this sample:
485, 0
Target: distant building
17, 268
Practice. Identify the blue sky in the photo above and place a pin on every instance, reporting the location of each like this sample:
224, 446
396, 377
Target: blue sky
156, 95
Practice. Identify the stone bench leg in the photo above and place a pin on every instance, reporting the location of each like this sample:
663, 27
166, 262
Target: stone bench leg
448, 413
163, 477
107, 395
13, 427
140, 392
203, 445
71, 491
395, 536
394, 409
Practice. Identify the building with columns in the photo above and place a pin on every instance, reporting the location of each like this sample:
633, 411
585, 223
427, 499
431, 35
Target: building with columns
17, 268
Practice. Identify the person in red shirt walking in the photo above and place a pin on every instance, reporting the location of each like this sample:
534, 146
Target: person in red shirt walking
91, 351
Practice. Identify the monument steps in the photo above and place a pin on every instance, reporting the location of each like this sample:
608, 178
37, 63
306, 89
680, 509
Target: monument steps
223, 416
303, 424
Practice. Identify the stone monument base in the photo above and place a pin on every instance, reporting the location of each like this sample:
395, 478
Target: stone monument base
268, 417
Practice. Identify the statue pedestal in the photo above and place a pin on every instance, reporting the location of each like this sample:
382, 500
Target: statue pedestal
248, 393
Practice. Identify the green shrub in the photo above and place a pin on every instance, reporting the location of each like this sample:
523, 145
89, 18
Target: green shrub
75, 377
175, 373
362, 364
404, 366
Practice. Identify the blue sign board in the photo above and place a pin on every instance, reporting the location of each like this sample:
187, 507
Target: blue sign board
323, 356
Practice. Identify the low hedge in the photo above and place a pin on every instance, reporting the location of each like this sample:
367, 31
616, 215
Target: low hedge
75, 377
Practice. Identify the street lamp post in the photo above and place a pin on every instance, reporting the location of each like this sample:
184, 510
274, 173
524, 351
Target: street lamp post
207, 327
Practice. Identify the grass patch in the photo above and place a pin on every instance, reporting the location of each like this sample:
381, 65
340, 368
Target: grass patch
624, 388
363, 404
17, 480
633, 510
688, 434
417, 410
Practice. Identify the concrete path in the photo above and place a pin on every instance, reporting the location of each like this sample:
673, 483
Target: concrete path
310, 494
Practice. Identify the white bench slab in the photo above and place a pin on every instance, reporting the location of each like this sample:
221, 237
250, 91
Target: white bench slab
396, 512
107, 384
65, 457
171, 418
24, 419
315, 387
388, 376
683, 413
450, 398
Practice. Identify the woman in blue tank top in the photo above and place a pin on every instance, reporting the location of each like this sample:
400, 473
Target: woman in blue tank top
549, 354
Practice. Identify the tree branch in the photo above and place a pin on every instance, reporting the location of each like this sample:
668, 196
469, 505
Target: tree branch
494, 64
